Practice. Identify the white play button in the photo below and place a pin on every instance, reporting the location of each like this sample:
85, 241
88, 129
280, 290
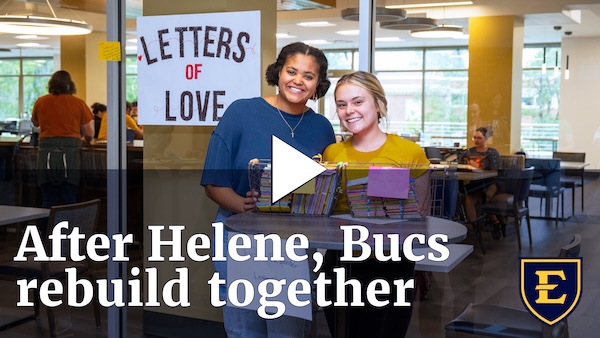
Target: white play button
290, 169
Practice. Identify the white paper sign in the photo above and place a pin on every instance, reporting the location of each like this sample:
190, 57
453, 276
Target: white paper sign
257, 272
192, 67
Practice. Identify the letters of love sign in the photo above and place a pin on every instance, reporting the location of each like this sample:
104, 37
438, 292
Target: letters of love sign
192, 67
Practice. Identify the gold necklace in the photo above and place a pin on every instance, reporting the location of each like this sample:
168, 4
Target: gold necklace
284, 120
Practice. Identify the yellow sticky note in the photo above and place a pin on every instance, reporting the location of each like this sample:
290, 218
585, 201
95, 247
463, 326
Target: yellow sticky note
306, 188
109, 51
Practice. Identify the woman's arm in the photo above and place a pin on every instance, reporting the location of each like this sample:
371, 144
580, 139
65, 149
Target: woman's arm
88, 131
228, 199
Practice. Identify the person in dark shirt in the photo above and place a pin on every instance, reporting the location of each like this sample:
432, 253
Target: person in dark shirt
481, 157
98, 109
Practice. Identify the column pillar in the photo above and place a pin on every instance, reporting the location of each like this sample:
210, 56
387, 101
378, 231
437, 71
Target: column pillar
72, 59
495, 79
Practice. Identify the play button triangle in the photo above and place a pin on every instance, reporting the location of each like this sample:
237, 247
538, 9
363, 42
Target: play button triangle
290, 169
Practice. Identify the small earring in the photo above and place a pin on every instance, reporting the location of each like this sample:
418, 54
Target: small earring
314, 97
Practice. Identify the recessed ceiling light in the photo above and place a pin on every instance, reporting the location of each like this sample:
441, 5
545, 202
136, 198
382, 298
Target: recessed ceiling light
132, 40
284, 36
31, 37
388, 39
130, 47
352, 32
31, 45
316, 42
315, 24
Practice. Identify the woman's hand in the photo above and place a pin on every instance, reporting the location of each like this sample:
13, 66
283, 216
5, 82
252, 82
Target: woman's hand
474, 163
250, 201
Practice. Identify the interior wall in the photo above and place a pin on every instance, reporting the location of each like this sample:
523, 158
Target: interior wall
580, 99
72, 55
95, 69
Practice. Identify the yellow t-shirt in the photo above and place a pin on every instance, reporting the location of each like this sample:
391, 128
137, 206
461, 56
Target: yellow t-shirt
130, 123
395, 150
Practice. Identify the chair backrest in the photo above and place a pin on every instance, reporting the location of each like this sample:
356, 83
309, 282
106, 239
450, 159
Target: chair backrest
433, 153
570, 157
512, 162
83, 215
547, 171
572, 249
516, 183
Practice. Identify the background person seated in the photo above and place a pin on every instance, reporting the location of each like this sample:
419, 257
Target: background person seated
99, 110
482, 157
138, 134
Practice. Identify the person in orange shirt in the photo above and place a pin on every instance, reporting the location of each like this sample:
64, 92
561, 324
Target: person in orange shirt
64, 120
129, 121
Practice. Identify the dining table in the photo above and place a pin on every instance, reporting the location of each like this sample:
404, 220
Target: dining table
325, 232
11, 214
565, 165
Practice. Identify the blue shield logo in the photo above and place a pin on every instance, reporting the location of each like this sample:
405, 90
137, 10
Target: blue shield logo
550, 287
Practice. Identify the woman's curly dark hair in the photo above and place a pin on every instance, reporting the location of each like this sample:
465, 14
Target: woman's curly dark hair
272, 73
98, 107
61, 83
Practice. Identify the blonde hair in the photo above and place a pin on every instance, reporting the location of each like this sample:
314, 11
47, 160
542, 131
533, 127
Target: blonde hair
370, 83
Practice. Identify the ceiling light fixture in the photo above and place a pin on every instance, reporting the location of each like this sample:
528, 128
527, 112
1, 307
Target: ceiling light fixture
315, 24
410, 24
29, 24
440, 32
284, 36
316, 42
353, 32
382, 14
31, 37
433, 4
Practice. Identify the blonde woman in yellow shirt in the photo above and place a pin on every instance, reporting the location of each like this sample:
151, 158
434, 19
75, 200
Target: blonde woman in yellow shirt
129, 122
361, 105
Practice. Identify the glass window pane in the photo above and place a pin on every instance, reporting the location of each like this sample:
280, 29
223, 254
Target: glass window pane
403, 91
398, 60
38, 66
131, 85
533, 57
33, 87
131, 64
539, 109
339, 59
9, 96
447, 59
446, 107
9, 67
329, 106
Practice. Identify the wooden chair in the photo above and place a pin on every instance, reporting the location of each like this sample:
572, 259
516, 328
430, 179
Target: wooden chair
492, 320
511, 200
572, 178
83, 215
